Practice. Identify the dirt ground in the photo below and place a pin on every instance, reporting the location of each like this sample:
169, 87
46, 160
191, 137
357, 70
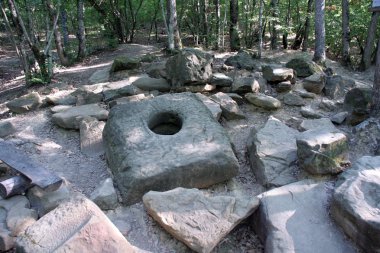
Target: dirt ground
59, 149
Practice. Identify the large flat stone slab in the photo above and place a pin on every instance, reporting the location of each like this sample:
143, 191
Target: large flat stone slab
166, 142
26, 103
197, 220
356, 203
295, 218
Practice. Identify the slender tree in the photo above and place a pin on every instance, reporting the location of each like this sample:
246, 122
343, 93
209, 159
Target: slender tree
375, 110
346, 33
320, 51
275, 15
81, 35
369, 45
261, 8
234, 31
305, 42
218, 27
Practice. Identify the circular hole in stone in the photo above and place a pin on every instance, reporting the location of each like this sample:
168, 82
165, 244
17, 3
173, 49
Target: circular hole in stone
165, 123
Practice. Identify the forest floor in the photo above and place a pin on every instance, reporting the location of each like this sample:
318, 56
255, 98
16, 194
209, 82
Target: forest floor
59, 149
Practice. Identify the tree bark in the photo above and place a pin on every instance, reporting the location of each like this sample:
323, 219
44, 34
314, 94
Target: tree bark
30, 14
346, 33
375, 109
81, 35
205, 27
234, 30
217, 23
173, 15
285, 35
320, 47
305, 43
274, 10
367, 53
65, 30
261, 8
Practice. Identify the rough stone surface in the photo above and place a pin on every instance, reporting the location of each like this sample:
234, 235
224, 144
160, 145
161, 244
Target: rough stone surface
85, 96
303, 67
355, 205
77, 225
242, 60
293, 99
15, 201
305, 94
44, 202
157, 70
19, 219
314, 83
105, 195
336, 86
322, 152
125, 63
284, 86
309, 113
100, 76
357, 102
274, 73
238, 99
189, 67
7, 241
327, 105
322, 123
126, 100
199, 221
339, 118
264, 101
29, 102
148, 84
72, 117
59, 99
198, 155
91, 140
230, 109
214, 107
6, 128
221, 80
244, 85
60, 108
272, 152
127, 90
295, 218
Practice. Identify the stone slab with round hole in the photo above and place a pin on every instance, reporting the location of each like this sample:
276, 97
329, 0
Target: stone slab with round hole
166, 142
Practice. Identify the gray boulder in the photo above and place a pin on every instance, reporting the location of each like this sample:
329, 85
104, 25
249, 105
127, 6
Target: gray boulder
60, 108
357, 102
197, 220
238, 99
72, 117
355, 206
230, 109
314, 83
100, 76
76, 225
273, 73
303, 67
29, 102
309, 113
293, 99
244, 85
91, 141
126, 100
284, 86
189, 67
61, 99
322, 123
127, 90
264, 101
221, 80
295, 218
272, 153
305, 94
214, 107
149, 84
105, 195
327, 105
161, 143
6, 128
157, 70
336, 86
322, 152
125, 63
242, 60
339, 118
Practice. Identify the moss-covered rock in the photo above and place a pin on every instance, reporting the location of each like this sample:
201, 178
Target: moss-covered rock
125, 63
304, 67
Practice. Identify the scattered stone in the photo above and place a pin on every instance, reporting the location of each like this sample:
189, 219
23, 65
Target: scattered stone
230, 109
367, 136
355, 206
100, 76
295, 218
105, 195
357, 102
244, 85
284, 86
194, 88
264, 101
242, 60
214, 108
75, 224
293, 100
336, 86
273, 153
221, 80
274, 73
157, 70
148, 84
71, 118
59, 99
148, 158
91, 141
314, 83
148, 58
44, 202
303, 67
327, 105
19, 219
339, 118
127, 90
322, 123
60, 108
197, 220
85, 96
294, 122
309, 113
125, 63
305, 94
189, 67
126, 100
7, 241
238, 99
15, 201
6, 128
26, 103
322, 152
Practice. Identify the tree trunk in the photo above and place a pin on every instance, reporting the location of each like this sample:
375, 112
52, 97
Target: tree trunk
81, 35
346, 33
320, 48
65, 30
375, 109
274, 10
205, 33
261, 8
217, 23
234, 30
306, 30
366, 57
285, 35
30, 14
173, 16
